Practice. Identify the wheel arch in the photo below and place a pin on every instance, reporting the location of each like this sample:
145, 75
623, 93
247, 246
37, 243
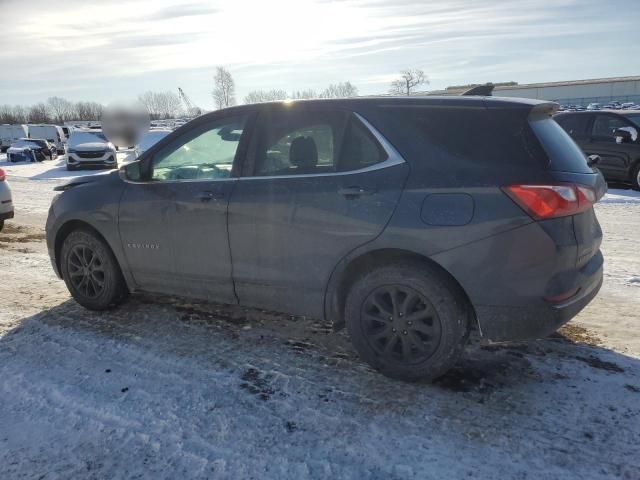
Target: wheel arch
349, 270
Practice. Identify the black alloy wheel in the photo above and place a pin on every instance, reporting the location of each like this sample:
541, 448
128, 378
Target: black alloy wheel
86, 271
401, 324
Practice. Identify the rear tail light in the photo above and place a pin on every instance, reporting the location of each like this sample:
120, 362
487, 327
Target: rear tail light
3, 175
552, 201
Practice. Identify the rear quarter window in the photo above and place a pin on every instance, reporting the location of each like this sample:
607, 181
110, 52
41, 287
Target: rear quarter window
574, 125
472, 138
564, 155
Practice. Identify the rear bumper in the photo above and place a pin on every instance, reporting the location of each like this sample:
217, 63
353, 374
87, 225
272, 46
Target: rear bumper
499, 323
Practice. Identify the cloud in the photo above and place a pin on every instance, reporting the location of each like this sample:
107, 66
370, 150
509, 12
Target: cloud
177, 11
88, 46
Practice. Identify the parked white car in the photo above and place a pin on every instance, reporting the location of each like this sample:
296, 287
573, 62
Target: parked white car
90, 148
52, 133
149, 139
11, 133
6, 202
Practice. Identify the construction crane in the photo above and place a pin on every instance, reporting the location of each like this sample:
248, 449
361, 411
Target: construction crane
192, 110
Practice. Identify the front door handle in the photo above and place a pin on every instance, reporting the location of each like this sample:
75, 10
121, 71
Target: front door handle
207, 196
355, 191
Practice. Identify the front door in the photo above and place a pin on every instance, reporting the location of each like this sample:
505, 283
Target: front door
615, 159
195, 173
319, 185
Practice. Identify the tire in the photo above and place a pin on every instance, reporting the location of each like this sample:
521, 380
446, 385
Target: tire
423, 348
91, 271
635, 177
1, 225
70, 168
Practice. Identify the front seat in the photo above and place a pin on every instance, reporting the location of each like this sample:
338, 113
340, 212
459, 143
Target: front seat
304, 154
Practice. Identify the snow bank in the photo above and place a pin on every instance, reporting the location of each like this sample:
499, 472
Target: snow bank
615, 195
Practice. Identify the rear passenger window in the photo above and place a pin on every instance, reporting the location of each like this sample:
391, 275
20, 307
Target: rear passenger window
298, 142
313, 142
574, 125
304, 150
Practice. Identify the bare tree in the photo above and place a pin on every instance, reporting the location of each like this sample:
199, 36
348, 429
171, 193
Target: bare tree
88, 111
60, 109
409, 79
223, 88
161, 104
261, 96
170, 105
13, 114
340, 90
303, 94
38, 113
147, 99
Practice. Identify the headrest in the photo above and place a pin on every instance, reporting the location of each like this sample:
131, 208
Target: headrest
303, 153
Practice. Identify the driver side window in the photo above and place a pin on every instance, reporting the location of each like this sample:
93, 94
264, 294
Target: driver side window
204, 153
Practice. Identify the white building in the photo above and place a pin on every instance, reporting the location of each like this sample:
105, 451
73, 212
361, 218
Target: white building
574, 92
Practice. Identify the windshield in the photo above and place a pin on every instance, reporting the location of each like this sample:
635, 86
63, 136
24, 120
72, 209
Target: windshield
86, 137
26, 143
634, 117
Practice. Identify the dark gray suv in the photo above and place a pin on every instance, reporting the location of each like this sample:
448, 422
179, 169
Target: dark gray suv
411, 220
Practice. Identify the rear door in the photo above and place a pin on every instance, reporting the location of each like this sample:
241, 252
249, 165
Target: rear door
317, 185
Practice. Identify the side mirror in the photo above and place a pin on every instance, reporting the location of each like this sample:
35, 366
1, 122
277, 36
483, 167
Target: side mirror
131, 172
593, 160
625, 134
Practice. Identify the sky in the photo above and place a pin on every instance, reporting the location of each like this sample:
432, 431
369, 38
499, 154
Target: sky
108, 51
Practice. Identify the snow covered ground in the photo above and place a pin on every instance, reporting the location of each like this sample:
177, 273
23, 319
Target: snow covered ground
165, 388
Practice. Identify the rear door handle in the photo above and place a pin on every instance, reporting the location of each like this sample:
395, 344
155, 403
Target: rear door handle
207, 196
355, 191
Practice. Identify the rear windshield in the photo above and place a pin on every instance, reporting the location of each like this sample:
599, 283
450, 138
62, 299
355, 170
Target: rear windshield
564, 155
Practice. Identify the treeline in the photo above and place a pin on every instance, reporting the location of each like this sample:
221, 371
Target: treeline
160, 105
55, 110
224, 91
338, 90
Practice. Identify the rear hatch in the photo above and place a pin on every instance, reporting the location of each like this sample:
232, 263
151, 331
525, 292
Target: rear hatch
568, 166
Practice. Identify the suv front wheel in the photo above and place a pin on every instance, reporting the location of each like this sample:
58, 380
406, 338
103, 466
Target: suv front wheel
407, 321
91, 272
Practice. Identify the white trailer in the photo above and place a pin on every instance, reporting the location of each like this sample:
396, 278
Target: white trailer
11, 133
53, 133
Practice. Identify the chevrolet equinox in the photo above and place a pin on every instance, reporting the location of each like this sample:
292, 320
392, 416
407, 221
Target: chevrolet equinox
412, 221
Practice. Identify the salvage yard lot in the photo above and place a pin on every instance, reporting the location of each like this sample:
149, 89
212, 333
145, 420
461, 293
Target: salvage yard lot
167, 388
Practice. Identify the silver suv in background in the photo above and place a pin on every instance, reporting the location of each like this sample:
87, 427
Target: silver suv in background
149, 139
90, 148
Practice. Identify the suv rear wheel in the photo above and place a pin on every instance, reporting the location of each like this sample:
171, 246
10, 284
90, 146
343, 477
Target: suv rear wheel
408, 322
91, 272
